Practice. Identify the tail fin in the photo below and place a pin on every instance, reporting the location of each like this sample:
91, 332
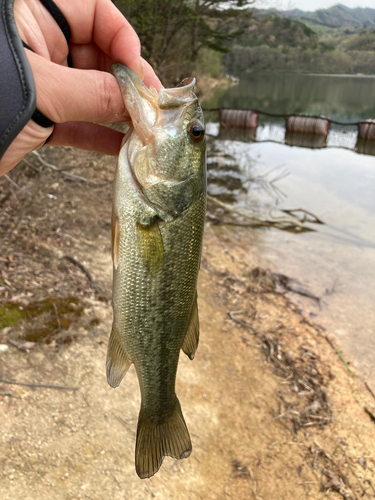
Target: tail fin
156, 440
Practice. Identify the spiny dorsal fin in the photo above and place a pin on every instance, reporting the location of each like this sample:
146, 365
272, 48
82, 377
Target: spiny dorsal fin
191, 340
115, 241
151, 249
157, 439
118, 362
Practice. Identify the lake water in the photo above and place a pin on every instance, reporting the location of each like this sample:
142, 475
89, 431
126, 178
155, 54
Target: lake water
336, 262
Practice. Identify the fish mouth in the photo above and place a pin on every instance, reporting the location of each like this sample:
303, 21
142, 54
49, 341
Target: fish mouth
140, 102
147, 107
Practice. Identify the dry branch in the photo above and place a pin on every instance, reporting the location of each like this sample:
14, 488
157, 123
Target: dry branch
45, 386
67, 174
289, 222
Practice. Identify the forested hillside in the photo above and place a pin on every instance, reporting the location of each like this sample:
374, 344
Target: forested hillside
338, 16
180, 36
214, 37
336, 40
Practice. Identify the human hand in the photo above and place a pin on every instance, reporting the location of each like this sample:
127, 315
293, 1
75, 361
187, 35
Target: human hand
77, 98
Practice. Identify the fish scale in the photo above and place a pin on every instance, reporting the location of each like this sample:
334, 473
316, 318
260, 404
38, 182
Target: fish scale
159, 206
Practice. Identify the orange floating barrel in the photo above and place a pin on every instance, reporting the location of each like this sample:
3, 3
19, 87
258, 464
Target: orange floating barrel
312, 125
306, 131
366, 130
240, 118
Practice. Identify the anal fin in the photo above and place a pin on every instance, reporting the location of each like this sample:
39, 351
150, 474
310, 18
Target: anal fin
191, 340
118, 362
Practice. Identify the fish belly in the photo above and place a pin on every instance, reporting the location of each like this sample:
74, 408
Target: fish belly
152, 313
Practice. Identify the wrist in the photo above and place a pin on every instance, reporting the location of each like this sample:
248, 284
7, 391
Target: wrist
17, 96
32, 137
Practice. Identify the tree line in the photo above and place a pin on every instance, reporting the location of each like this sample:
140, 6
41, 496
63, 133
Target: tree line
181, 37
274, 43
174, 33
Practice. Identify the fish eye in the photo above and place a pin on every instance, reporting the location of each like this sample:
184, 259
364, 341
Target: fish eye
196, 132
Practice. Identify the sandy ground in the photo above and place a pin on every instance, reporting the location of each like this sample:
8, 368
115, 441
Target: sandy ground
272, 410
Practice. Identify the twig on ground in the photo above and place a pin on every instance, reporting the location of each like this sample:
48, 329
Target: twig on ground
245, 471
339, 353
67, 174
254, 483
369, 390
370, 412
45, 386
233, 317
324, 451
20, 347
57, 316
287, 223
314, 219
9, 179
286, 282
94, 286
355, 475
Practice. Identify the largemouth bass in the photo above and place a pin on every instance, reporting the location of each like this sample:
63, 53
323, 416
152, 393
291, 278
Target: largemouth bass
159, 205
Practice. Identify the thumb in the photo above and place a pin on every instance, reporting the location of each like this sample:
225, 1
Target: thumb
68, 94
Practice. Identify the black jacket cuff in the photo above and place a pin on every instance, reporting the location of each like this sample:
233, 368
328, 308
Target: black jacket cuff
17, 88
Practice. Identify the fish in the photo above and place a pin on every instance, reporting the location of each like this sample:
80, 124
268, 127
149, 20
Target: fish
158, 215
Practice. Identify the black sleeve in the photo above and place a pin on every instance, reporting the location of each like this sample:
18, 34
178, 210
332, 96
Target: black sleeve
17, 88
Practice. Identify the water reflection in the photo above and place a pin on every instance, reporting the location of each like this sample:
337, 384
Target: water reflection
335, 184
225, 178
305, 140
274, 131
237, 134
344, 98
365, 147
248, 195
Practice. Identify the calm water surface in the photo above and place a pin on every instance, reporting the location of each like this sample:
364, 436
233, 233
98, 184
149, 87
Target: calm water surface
337, 261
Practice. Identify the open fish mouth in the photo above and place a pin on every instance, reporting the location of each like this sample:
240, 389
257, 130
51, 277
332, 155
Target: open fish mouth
165, 147
148, 108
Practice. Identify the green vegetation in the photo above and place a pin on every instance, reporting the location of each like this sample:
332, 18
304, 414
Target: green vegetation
11, 314
277, 43
337, 17
179, 36
45, 317
214, 37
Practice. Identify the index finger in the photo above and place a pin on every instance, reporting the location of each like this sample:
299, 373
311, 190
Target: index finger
101, 22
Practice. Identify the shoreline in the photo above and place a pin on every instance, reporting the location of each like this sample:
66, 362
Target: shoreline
271, 408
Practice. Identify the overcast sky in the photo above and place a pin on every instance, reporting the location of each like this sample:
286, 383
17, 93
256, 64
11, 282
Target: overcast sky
311, 5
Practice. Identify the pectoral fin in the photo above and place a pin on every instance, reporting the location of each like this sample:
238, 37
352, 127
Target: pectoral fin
115, 241
191, 340
150, 245
118, 362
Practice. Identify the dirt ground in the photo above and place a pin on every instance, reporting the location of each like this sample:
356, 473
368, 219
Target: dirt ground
273, 411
